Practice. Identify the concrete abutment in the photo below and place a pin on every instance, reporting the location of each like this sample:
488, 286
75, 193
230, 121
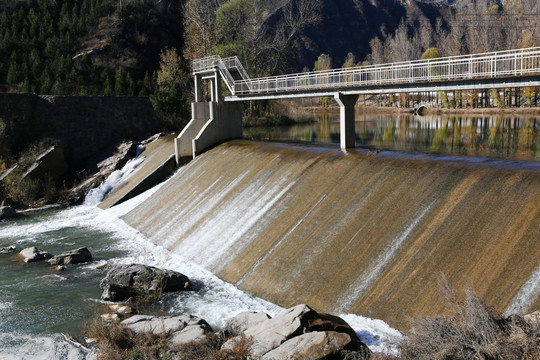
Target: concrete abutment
211, 123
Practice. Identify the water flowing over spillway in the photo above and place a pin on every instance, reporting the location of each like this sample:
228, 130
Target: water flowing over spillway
365, 232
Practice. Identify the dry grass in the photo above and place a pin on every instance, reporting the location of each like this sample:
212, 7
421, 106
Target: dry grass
116, 342
473, 331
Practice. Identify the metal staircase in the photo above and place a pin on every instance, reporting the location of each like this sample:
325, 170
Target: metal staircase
230, 68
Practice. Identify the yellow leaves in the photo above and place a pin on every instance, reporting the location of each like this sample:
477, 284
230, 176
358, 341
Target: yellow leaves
170, 69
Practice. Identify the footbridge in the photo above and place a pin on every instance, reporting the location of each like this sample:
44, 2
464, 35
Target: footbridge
219, 118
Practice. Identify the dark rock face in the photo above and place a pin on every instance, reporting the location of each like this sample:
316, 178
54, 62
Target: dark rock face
49, 163
7, 212
76, 256
33, 254
136, 280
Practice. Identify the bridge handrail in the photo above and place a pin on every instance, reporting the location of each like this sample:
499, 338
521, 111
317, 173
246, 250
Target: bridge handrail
211, 62
501, 63
509, 62
205, 63
234, 62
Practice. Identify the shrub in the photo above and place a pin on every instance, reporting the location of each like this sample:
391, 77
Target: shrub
473, 331
116, 342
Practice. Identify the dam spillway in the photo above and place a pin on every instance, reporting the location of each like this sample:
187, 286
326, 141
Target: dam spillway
364, 232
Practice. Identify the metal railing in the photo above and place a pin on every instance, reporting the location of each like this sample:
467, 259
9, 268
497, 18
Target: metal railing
233, 62
478, 66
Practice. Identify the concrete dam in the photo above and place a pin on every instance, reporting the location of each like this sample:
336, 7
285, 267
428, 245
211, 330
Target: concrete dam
362, 232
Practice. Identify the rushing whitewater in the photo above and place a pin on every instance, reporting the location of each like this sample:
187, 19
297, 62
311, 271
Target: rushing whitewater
37, 306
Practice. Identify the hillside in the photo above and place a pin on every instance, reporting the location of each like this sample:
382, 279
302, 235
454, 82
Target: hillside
84, 47
99, 47
349, 25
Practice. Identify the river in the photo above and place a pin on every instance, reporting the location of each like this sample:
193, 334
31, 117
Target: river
511, 137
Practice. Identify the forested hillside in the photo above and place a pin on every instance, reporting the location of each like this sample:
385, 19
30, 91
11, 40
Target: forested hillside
109, 47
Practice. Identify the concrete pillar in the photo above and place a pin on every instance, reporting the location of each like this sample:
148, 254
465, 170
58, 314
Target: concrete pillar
346, 119
198, 88
216, 86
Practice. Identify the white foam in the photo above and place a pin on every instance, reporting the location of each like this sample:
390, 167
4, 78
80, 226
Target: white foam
527, 294
95, 196
376, 334
29, 347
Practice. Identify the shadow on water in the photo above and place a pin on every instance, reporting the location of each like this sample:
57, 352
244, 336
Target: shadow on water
504, 137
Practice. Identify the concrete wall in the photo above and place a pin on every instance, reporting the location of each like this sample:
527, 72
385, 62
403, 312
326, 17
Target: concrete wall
200, 114
85, 126
226, 124
211, 124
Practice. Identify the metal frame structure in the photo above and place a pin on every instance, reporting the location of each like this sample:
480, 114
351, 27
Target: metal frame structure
406, 75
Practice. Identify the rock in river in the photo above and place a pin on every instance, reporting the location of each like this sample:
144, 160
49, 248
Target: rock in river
137, 280
33, 254
7, 212
72, 257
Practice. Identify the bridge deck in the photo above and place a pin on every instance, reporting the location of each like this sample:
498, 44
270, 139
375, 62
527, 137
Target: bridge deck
512, 68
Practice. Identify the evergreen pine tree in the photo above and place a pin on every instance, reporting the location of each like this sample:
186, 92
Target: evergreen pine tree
120, 82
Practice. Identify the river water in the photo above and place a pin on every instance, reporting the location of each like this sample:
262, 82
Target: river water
40, 305
496, 136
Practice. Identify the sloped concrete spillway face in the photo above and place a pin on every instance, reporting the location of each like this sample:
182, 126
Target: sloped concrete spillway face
364, 232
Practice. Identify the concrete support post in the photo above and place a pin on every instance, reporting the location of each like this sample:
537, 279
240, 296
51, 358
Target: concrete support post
346, 119
216, 86
198, 88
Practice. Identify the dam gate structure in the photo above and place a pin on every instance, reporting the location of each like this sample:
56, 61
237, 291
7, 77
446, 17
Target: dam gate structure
220, 118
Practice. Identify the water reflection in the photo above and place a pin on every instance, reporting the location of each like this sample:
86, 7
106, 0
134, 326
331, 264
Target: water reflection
509, 137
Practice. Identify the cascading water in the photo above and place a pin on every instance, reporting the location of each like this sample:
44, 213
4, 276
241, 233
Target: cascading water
38, 305
364, 232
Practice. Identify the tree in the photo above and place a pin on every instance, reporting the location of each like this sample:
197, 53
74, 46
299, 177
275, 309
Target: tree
199, 27
296, 16
378, 51
238, 33
350, 61
120, 82
173, 94
324, 62
431, 53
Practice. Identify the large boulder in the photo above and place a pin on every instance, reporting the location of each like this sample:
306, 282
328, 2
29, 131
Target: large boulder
245, 320
310, 346
290, 323
189, 334
132, 281
33, 254
76, 256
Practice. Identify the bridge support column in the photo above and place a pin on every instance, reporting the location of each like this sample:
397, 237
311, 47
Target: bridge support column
198, 87
216, 86
346, 119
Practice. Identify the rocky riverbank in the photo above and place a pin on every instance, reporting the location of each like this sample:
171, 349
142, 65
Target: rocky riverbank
54, 148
